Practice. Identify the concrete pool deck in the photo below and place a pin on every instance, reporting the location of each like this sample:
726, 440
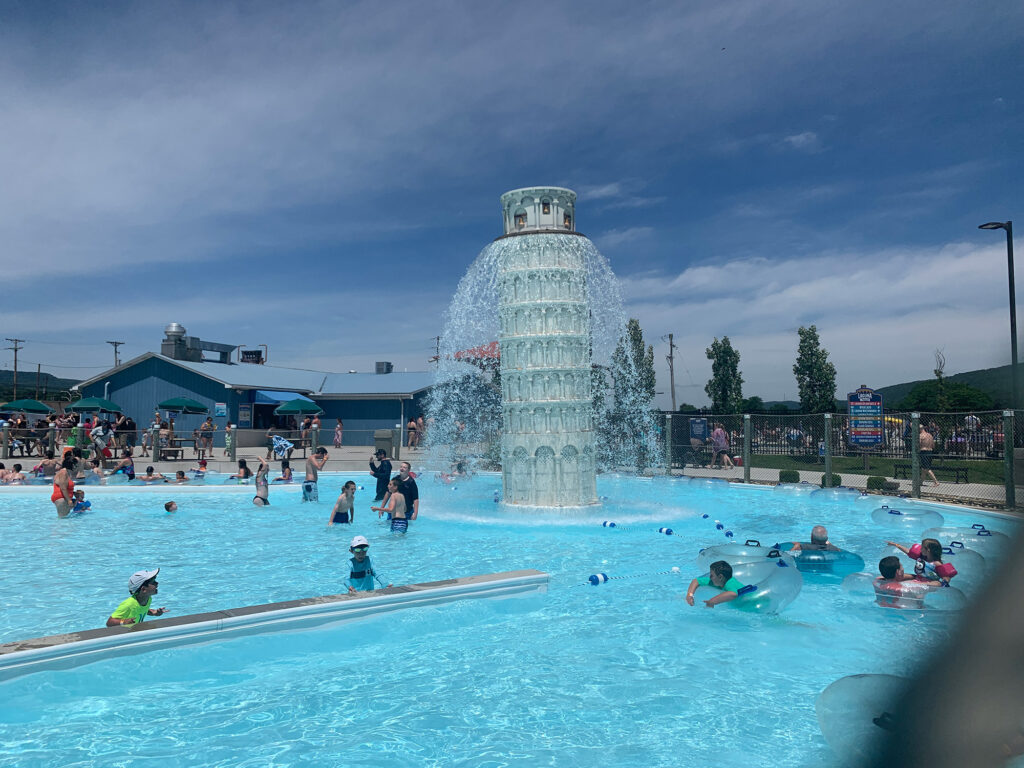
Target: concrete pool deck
73, 649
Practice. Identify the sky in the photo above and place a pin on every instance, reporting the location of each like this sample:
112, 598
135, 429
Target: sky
317, 177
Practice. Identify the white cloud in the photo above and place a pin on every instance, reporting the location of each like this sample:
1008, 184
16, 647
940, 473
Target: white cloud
613, 238
807, 141
880, 314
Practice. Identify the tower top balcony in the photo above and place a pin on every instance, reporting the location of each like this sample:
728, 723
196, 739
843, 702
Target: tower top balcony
536, 209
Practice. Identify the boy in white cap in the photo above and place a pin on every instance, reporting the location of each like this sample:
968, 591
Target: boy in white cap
362, 575
141, 586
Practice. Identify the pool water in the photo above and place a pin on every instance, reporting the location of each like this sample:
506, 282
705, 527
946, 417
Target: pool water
622, 674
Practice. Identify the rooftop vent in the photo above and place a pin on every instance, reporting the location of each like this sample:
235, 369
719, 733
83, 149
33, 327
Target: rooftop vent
385, 367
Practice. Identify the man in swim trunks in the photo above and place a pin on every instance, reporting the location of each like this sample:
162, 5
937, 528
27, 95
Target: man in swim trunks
344, 508
927, 446
719, 577
141, 586
314, 464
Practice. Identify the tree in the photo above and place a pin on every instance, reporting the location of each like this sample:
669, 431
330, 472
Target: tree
941, 396
815, 375
687, 408
952, 395
751, 404
725, 387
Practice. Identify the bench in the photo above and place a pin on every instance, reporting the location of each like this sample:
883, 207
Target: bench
170, 454
902, 469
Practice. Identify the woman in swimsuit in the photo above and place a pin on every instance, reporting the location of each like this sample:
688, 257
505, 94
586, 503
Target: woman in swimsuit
126, 465
286, 472
410, 428
64, 487
262, 497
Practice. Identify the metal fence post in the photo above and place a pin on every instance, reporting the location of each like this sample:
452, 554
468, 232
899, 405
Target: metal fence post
668, 444
828, 451
51, 437
316, 438
1009, 451
233, 450
5, 447
746, 447
915, 455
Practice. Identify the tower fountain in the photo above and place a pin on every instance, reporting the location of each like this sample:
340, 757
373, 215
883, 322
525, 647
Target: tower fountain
552, 402
547, 445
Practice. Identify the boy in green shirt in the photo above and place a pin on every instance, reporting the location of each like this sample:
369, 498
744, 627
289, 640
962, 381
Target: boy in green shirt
720, 577
141, 586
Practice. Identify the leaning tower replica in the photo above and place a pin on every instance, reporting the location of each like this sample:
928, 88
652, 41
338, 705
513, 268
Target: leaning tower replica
547, 438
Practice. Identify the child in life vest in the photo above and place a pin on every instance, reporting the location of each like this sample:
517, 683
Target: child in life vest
928, 565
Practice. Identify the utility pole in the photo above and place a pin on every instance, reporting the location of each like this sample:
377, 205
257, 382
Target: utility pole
436, 360
115, 345
16, 347
671, 370
39, 373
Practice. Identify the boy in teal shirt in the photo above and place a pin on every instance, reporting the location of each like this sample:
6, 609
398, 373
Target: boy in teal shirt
141, 586
362, 576
720, 577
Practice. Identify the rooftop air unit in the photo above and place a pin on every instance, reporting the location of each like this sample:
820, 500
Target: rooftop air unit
385, 367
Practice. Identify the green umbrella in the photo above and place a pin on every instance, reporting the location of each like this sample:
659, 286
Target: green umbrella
28, 406
183, 405
93, 404
298, 407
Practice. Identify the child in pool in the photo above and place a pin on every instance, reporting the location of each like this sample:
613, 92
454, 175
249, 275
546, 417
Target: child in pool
286, 472
889, 591
344, 510
362, 575
720, 577
928, 565
80, 504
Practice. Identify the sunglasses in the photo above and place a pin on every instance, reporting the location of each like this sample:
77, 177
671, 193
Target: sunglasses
361, 548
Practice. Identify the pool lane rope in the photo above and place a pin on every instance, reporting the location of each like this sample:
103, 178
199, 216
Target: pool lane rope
596, 579
719, 526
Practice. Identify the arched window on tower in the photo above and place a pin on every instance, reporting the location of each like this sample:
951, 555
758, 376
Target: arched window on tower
520, 217
567, 221
545, 206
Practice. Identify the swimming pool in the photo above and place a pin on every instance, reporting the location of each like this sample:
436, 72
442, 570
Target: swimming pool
622, 674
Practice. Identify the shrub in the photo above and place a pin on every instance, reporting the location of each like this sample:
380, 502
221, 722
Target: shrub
876, 483
789, 476
833, 482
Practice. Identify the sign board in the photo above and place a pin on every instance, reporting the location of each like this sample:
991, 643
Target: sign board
245, 416
220, 409
699, 429
866, 418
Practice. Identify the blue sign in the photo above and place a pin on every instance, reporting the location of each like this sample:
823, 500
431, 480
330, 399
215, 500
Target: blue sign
220, 410
866, 417
699, 429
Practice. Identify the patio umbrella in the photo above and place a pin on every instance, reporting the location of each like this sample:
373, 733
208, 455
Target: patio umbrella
26, 406
93, 404
298, 407
183, 405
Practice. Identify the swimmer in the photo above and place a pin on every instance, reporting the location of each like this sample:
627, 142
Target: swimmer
888, 585
243, 473
362, 575
201, 469
80, 503
286, 472
819, 541
142, 586
344, 508
179, 477
928, 565
153, 477
262, 497
171, 506
15, 477
719, 577
396, 508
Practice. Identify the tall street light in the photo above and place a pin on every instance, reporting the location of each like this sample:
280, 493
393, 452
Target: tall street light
1008, 226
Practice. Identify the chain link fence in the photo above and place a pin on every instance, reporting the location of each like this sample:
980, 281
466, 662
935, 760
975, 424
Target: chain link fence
955, 456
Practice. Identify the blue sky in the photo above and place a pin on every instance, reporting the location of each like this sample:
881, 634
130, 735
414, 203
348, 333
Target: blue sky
317, 176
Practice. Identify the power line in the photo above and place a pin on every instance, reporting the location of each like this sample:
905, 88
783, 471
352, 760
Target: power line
115, 345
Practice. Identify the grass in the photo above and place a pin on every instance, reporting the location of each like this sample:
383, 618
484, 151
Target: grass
984, 471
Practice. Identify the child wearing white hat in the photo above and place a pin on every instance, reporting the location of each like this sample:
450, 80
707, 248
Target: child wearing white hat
141, 586
362, 575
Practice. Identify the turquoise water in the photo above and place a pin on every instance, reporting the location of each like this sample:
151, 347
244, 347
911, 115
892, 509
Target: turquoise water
623, 674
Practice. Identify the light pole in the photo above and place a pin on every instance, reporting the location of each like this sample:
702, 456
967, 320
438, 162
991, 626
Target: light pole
1008, 226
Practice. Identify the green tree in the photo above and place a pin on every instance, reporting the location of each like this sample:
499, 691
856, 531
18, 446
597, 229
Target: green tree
751, 404
725, 387
687, 408
815, 375
939, 397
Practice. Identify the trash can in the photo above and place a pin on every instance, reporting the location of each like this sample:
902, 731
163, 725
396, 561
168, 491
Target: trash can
384, 439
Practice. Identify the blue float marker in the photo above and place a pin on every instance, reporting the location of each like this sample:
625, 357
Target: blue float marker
608, 524
598, 578
666, 531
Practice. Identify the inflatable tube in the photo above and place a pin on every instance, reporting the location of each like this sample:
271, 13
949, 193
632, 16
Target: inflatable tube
970, 565
771, 585
990, 544
905, 595
835, 494
847, 710
794, 488
839, 562
736, 554
907, 518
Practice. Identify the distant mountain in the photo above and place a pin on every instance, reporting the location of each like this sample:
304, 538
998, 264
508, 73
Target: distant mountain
48, 385
994, 381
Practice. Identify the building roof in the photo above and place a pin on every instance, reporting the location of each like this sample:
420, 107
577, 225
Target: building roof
294, 380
